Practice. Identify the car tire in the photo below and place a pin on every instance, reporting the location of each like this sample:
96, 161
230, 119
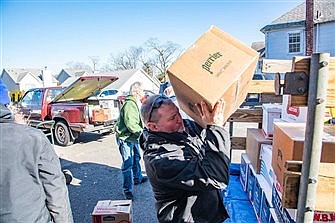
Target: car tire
62, 134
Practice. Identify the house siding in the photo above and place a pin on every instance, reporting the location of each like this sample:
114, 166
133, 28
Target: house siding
324, 35
148, 84
9, 82
62, 76
277, 43
29, 81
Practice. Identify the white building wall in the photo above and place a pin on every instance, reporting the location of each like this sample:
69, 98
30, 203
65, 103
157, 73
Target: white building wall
29, 81
141, 77
277, 44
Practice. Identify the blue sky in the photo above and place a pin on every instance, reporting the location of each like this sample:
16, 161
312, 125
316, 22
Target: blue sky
50, 33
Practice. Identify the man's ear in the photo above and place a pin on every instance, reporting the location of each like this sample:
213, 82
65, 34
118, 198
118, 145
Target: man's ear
152, 126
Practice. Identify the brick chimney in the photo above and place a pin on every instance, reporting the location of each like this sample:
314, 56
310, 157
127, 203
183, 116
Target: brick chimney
309, 27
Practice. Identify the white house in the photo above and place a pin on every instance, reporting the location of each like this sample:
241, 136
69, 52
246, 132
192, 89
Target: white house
20, 79
285, 36
127, 77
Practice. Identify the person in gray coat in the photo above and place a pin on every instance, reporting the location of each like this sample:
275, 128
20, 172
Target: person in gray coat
32, 185
187, 165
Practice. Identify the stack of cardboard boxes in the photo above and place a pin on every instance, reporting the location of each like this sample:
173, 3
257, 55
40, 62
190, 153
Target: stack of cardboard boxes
271, 185
99, 114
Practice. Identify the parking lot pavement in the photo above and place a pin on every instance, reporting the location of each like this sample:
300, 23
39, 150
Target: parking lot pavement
95, 162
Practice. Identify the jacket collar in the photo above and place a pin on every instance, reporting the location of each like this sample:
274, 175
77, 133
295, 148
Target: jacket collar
147, 137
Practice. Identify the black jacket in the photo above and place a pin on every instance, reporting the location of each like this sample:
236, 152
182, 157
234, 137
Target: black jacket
187, 172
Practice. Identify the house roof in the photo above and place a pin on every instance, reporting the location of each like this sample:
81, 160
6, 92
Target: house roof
324, 11
75, 72
124, 75
257, 45
69, 81
17, 74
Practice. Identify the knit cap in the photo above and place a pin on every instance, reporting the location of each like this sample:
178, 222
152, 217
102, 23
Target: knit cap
4, 97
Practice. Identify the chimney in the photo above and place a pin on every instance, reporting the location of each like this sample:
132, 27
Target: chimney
47, 77
309, 27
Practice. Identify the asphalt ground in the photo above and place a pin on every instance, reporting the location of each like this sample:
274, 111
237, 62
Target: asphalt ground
95, 162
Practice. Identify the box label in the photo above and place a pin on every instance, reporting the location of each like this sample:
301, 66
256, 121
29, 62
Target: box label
211, 59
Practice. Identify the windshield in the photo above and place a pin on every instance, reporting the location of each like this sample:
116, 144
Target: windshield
52, 93
104, 93
97, 93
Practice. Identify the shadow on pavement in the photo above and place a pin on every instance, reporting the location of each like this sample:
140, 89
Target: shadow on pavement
86, 137
93, 182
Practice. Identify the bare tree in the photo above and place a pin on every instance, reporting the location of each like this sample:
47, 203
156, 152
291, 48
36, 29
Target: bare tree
106, 68
78, 66
162, 55
129, 59
154, 58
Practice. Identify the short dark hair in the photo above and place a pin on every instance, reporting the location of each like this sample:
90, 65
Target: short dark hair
148, 110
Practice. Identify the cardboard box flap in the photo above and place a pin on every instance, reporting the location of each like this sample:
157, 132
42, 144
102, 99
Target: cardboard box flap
112, 207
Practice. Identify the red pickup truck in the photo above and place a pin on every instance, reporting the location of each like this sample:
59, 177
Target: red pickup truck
68, 108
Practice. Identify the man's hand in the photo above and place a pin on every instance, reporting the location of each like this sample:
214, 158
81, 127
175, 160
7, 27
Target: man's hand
214, 117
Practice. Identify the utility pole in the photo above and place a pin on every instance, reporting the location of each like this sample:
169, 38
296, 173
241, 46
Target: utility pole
317, 91
309, 26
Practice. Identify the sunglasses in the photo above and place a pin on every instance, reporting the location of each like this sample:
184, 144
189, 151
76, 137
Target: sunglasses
157, 104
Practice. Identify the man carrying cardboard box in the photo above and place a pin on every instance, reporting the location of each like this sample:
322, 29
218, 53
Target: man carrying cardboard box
187, 165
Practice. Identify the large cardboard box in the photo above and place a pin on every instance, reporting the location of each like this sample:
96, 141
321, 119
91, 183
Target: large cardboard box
112, 211
98, 115
288, 143
325, 191
215, 66
255, 139
113, 105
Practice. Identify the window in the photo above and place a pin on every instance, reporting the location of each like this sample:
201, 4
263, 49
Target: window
32, 99
52, 93
294, 41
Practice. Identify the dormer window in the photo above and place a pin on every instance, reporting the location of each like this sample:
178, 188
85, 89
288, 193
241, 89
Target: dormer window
294, 42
